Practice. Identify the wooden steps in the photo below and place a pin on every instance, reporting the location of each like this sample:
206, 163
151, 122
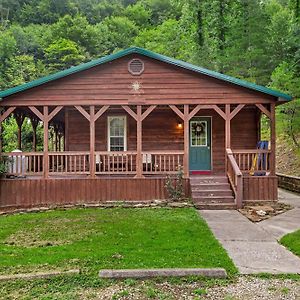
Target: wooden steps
212, 192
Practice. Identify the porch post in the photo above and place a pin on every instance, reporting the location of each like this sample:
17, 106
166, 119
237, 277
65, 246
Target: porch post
227, 133
227, 127
20, 120
273, 140
92, 141
139, 161
46, 155
0, 137
34, 123
186, 141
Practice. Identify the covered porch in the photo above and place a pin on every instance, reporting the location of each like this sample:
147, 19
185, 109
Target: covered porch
157, 143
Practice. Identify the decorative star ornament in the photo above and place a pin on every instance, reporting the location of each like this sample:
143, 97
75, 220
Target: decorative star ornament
136, 87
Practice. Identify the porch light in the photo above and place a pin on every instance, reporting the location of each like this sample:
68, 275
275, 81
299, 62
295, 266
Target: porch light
179, 125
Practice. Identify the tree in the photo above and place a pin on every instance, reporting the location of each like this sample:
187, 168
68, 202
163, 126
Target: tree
138, 14
163, 39
161, 10
121, 32
63, 54
10, 135
23, 68
286, 79
44, 11
78, 30
8, 48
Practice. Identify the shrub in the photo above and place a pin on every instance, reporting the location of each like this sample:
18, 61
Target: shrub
174, 186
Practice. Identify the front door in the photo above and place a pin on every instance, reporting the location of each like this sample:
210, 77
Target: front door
200, 144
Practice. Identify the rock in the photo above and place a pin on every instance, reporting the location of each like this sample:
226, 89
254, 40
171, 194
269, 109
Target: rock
261, 212
177, 204
158, 201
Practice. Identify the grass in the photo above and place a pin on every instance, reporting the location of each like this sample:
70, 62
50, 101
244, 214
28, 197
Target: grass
292, 242
91, 239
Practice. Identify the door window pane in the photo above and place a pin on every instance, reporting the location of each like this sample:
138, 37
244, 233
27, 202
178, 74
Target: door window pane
117, 133
198, 133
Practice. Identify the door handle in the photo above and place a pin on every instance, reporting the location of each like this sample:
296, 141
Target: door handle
208, 147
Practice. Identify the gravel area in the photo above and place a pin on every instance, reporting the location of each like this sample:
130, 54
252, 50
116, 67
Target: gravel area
244, 288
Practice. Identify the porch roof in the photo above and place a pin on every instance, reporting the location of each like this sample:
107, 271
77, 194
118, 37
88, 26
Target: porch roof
136, 50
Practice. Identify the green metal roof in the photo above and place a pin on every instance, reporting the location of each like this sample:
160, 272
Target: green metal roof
136, 50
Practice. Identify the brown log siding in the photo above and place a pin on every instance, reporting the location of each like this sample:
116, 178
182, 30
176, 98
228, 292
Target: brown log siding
160, 132
161, 83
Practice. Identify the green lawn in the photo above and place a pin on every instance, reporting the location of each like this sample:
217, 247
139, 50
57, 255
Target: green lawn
91, 239
292, 242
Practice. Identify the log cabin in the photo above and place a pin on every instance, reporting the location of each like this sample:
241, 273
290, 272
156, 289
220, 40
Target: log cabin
122, 123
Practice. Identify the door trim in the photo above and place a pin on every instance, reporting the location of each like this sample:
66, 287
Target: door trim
211, 144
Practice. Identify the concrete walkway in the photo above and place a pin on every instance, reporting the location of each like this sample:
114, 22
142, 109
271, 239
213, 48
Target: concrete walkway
254, 247
283, 224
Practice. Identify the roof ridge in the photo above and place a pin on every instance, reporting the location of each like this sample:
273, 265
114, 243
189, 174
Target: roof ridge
148, 53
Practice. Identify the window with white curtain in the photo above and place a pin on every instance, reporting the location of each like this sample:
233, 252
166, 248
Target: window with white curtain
117, 133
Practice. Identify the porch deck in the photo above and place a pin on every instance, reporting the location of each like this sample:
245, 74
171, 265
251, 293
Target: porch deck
69, 181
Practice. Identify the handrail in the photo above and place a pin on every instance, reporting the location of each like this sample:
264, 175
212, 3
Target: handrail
235, 177
21, 153
162, 152
254, 151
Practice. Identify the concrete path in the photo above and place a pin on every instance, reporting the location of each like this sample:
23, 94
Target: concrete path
252, 247
283, 224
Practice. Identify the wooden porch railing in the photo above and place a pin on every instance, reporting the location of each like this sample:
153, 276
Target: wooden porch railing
117, 162
253, 160
106, 162
68, 162
235, 177
162, 162
23, 163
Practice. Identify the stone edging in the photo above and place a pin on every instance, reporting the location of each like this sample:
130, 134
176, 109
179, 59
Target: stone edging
39, 275
291, 183
103, 205
150, 273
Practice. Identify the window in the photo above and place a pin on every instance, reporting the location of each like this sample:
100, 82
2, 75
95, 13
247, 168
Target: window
117, 133
198, 132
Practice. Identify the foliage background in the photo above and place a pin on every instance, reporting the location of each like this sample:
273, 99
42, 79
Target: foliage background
256, 40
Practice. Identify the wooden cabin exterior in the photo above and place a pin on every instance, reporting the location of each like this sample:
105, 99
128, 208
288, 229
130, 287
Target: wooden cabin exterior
124, 122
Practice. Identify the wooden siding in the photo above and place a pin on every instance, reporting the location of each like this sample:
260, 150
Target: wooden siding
160, 132
260, 188
21, 193
161, 83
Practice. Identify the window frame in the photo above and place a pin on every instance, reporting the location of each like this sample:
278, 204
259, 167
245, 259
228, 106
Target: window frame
206, 133
109, 118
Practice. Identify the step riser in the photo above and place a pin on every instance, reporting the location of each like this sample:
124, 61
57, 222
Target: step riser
206, 187
220, 193
214, 207
212, 192
208, 181
212, 201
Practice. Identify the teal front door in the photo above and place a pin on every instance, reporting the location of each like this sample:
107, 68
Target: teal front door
200, 144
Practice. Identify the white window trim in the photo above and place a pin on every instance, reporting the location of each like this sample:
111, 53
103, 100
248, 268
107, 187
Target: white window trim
109, 118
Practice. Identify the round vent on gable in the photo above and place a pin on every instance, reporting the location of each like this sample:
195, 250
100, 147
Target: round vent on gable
136, 67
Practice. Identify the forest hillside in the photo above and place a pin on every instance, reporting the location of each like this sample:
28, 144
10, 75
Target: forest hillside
256, 40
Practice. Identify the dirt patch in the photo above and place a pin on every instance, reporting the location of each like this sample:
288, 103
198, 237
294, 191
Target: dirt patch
53, 232
257, 212
245, 288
